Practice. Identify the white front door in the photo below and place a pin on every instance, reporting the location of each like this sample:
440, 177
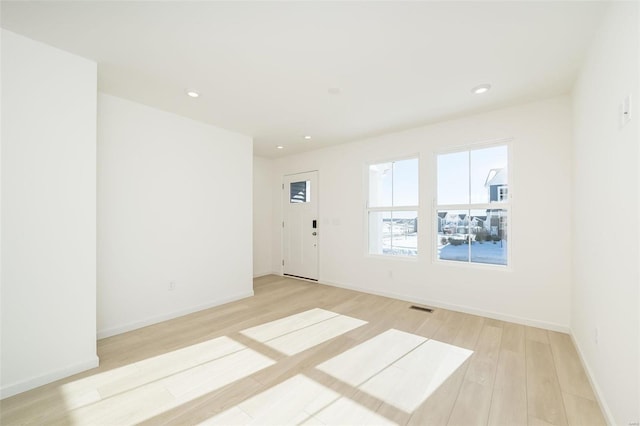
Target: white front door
300, 225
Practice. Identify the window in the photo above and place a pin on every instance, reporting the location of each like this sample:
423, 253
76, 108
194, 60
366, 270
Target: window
503, 193
472, 206
300, 192
392, 210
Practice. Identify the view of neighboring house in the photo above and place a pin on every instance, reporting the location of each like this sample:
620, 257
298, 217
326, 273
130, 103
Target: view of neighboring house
463, 224
450, 223
496, 182
400, 226
399, 236
460, 230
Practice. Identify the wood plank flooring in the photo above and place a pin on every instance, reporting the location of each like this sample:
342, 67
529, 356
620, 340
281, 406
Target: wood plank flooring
304, 353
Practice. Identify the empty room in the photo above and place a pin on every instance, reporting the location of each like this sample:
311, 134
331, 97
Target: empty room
320, 212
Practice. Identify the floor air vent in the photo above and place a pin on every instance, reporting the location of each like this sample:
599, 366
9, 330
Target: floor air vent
421, 308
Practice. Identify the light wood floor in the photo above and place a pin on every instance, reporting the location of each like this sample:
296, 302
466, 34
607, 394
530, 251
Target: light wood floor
516, 375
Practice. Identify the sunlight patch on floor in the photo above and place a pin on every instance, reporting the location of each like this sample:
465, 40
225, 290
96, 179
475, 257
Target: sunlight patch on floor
139, 373
408, 382
395, 367
270, 330
298, 400
362, 362
296, 333
144, 389
399, 368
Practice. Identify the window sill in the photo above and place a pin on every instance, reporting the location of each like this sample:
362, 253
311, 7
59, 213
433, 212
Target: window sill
473, 265
390, 257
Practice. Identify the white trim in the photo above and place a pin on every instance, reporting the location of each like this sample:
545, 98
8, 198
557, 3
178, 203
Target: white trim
383, 257
394, 159
458, 308
297, 173
476, 206
264, 274
44, 379
164, 317
594, 384
477, 265
281, 225
306, 280
469, 146
394, 209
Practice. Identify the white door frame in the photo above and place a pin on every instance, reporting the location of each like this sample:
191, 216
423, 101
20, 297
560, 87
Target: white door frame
285, 203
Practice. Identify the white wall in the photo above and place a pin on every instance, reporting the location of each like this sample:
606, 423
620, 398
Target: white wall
48, 214
605, 238
174, 204
537, 289
262, 215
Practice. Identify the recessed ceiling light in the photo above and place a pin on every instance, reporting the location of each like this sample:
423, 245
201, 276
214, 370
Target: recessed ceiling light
280, 147
192, 93
483, 88
307, 137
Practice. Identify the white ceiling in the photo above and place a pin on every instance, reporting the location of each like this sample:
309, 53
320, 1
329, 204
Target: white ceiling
265, 68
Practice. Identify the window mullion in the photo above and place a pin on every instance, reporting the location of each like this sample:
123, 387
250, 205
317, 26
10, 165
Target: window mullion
391, 237
469, 177
479, 206
392, 178
391, 209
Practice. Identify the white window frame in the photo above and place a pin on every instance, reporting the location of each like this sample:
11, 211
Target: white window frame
502, 205
368, 209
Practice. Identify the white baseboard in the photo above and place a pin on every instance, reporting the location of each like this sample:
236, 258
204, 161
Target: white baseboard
44, 379
264, 274
459, 308
112, 331
608, 416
